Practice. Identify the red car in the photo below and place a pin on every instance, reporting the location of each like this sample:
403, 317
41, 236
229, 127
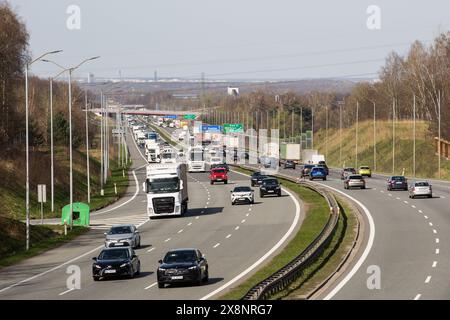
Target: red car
218, 175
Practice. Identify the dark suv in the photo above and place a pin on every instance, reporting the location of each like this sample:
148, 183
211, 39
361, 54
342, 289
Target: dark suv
270, 186
397, 183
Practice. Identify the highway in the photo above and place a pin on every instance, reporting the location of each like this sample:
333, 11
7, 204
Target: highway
410, 243
235, 239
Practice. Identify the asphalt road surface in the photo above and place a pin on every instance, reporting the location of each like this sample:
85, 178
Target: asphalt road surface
408, 242
235, 239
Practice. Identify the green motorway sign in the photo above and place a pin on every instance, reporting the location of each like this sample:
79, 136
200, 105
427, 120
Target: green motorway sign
233, 128
190, 117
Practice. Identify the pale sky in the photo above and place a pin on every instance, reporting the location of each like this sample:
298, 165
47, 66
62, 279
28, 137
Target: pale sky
232, 39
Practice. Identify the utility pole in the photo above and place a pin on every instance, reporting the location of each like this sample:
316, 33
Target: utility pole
312, 127
414, 138
101, 143
439, 131
393, 135
340, 134
326, 132
301, 129
292, 125
52, 174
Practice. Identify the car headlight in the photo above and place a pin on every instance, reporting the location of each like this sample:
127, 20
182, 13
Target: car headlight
97, 266
263, 188
123, 265
193, 268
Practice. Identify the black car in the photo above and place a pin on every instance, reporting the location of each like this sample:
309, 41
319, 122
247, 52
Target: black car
220, 165
397, 183
113, 262
289, 164
259, 179
183, 266
270, 186
325, 167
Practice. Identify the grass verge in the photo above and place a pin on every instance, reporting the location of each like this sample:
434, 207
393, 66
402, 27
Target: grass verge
317, 213
42, 238
329, 260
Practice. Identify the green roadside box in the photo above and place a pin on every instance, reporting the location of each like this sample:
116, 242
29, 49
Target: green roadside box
81, 214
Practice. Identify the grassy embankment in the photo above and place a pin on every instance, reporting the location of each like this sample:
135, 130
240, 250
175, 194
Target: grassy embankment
12, 196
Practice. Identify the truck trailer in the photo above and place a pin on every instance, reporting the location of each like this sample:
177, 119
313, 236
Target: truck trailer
167, 190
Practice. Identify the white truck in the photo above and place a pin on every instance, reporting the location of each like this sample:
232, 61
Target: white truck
168, 155
317, 158
167, 190
152, 151
140, 138
196, 159
289, 151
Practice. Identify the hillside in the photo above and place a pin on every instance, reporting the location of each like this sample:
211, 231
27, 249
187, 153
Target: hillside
426, 159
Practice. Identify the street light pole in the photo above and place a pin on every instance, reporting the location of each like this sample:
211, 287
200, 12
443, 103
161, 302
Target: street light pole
414, 133
27, 148
356, 147
393, 136
374, 138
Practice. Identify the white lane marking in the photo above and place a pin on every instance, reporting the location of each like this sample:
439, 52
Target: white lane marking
390, 195
243, 220
413, 206
190, 223
247, 215
237, 228
434, 231
382, 191
268, 253
151, 249
427, 280
398, 198
67, 291
437, 240
207, 203
437, 251
366, 250
443, 197
417, 297
420, 211
52, 269
152, 285
168, 239
197, 217
228, 236
250, 209
426, 217
434, 264
405, 201
180, 231
431, 224
216, 245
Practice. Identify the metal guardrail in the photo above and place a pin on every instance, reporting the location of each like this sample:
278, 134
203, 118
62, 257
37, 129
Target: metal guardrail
294, 269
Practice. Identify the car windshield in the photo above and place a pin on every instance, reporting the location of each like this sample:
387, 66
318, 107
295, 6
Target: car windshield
365, 168
355, 177
398, 178
262, 177
242, 189
318, 169
256, 174
115, 254
120, 230
270, 182
196, 156
215, 171
308, 166
180, 256
422, 184
164, 185
167, 155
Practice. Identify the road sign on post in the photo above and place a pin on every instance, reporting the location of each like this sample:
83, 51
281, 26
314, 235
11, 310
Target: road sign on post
42, 198
233, 128
190, 117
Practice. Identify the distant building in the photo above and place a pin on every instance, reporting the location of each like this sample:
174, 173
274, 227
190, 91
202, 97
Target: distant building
233, 91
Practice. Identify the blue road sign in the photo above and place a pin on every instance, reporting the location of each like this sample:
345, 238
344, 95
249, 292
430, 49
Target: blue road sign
211, 128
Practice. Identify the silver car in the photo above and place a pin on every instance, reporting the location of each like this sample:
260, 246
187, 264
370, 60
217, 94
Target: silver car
242, 194
123, 235
420, 188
